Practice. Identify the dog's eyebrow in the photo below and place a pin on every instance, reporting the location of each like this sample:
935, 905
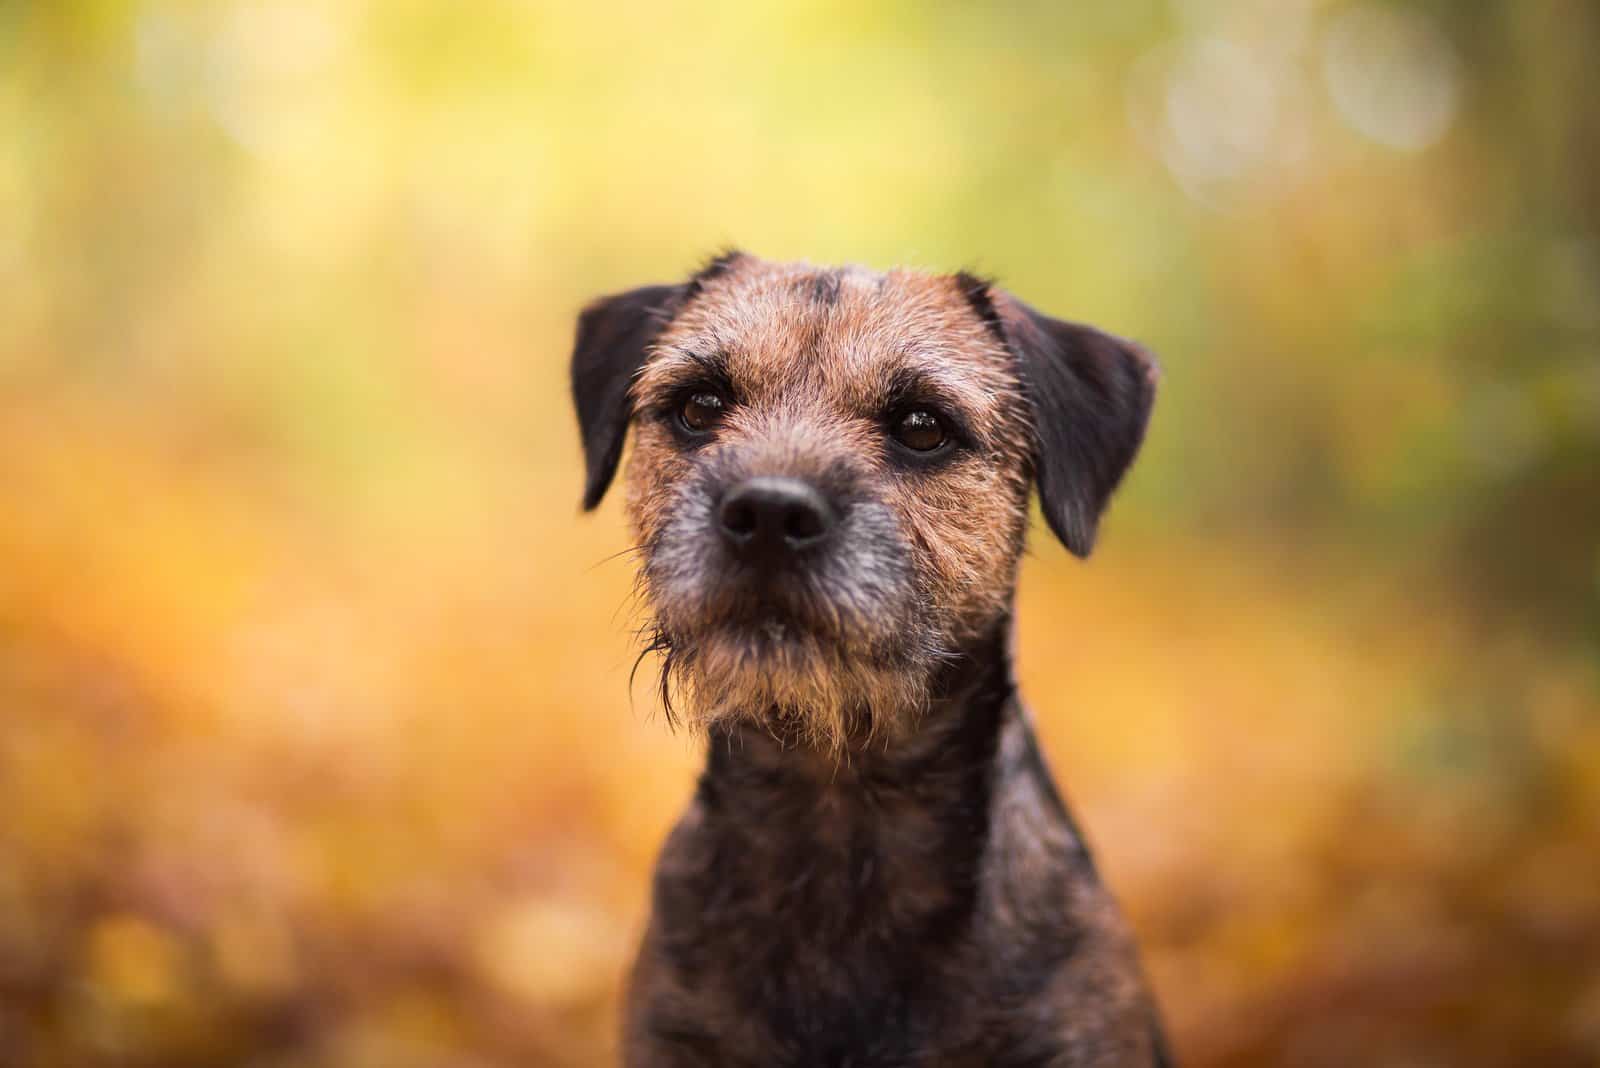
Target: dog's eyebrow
676, 366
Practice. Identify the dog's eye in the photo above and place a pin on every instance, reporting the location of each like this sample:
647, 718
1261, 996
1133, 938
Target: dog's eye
701, 411
920, 429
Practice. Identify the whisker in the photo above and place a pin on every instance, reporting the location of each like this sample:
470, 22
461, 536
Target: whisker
627, 551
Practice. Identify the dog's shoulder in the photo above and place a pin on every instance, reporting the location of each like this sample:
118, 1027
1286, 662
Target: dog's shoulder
1058, 946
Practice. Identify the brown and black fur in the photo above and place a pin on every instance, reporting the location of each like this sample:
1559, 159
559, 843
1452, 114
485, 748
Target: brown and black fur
876, 868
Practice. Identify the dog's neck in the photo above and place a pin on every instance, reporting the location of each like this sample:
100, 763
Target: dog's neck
887, 839
956, 730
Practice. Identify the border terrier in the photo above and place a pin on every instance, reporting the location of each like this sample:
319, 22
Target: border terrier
829, 489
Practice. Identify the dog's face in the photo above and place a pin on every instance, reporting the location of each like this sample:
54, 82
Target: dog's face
831, 474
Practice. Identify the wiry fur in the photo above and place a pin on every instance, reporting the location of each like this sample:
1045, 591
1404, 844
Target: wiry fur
876, 868
813, 368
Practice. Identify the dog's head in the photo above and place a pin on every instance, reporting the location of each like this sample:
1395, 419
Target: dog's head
831, 474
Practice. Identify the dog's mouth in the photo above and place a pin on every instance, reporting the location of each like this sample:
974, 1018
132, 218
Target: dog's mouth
783, 673
783, 629
769, 612
774, 630
764, 637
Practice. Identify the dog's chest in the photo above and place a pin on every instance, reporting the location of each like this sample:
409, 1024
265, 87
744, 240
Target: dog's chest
903, 916
850, 959
846, 953
824, 927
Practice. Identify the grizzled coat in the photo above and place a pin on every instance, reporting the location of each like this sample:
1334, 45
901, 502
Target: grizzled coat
876, 868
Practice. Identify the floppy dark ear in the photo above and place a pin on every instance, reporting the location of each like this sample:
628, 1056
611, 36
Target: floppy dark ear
614, 335
1091, 395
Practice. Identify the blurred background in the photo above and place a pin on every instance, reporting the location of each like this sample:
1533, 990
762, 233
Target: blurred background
316, 745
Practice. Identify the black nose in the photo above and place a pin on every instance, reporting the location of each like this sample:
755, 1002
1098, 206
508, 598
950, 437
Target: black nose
766, 520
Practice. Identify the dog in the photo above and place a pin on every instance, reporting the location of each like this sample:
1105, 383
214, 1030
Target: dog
830, 486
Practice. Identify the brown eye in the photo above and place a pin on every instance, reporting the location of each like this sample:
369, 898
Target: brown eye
920, 429
701, 412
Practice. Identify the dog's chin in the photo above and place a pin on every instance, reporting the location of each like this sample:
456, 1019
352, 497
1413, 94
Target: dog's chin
782, 676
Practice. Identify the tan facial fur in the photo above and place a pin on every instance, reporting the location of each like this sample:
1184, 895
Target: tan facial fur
924, 558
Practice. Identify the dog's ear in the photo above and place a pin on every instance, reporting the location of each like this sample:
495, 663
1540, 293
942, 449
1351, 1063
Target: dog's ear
1091, 395
614, 336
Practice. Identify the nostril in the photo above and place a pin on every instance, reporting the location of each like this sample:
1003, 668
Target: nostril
739, 518
767, 519
803, 523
